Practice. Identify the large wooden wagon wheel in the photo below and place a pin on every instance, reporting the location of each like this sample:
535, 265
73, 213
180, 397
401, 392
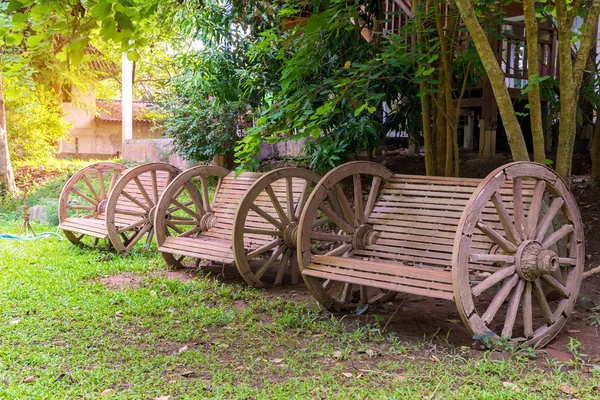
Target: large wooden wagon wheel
334, 223
537, 249
85, 195
186, 208
132, 204
266, 226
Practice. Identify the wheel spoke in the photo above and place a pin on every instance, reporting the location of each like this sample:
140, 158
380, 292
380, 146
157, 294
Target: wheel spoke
513, 309
282, 267
131, 226
267, 216
338, 251
346, 293
183, 207
321, 221
336, 219
154, 187
527, 309
294, 269
493, 279
494, 258
556, 236
509, 228
130, 212
263, 268
273, 197
87, 208
519, 214
219, 182
143, 191
330, 237
205, 196
540, 297
175, 228
135, 201
302, 199
265, 248
358, 199
496, 237
84, 196
91, 187
149, 238
499, 298
191, 232
101, 183
138, 236
346, 209
535, 208
544, 224
290, 198
556, 285
263, 232
363, 292
113, 180
372, 196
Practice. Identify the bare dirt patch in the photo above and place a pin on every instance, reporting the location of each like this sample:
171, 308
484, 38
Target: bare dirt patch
122, 281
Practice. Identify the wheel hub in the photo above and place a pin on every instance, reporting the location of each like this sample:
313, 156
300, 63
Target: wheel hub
289, 234
363, 236
101, 207
533, 261
207, 221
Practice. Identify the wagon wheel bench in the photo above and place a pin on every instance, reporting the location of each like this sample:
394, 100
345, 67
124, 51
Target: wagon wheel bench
508, 249
106, 203
207, 213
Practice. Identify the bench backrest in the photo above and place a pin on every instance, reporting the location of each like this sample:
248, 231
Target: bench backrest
417, 219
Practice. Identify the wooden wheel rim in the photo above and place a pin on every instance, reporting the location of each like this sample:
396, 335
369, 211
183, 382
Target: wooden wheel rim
182, 180
522, 230
100, 195
320, 194
144, 226
285, 225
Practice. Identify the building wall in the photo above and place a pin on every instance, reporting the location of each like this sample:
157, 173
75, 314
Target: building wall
93, 136
153, 150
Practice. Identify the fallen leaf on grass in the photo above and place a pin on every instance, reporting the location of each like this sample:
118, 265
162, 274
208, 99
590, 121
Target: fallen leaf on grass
347, 374
163, 398
568, 389
106, 392
454, 321
573, 330
188, 374
28, 379
184, 348
510, 385
371, 353
337, 354
277, 360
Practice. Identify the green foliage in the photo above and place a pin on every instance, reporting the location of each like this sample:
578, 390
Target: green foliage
332, 85
34, 121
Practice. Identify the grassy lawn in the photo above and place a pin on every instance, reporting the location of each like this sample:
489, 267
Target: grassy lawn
66, 333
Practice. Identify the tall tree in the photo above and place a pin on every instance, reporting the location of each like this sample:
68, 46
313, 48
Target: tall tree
7, 178
572, 64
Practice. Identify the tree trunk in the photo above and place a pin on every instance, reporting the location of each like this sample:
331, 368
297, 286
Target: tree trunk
533, 93
7, 178
428, 135
571, 77
596, 154
497, 81
440, 131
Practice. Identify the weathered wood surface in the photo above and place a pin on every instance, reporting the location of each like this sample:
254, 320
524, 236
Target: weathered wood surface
485, 244
249, 221
117, 204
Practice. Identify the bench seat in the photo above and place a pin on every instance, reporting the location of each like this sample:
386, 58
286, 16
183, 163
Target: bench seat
394, 276
202, 246
95, 227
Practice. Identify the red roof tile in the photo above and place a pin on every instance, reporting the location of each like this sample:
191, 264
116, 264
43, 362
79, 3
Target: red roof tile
110, 110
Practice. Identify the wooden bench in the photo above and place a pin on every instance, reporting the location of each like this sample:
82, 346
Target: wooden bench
207, 213
104, 203
508, 249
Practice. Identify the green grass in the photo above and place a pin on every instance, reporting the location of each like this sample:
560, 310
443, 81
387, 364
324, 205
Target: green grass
79, 338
